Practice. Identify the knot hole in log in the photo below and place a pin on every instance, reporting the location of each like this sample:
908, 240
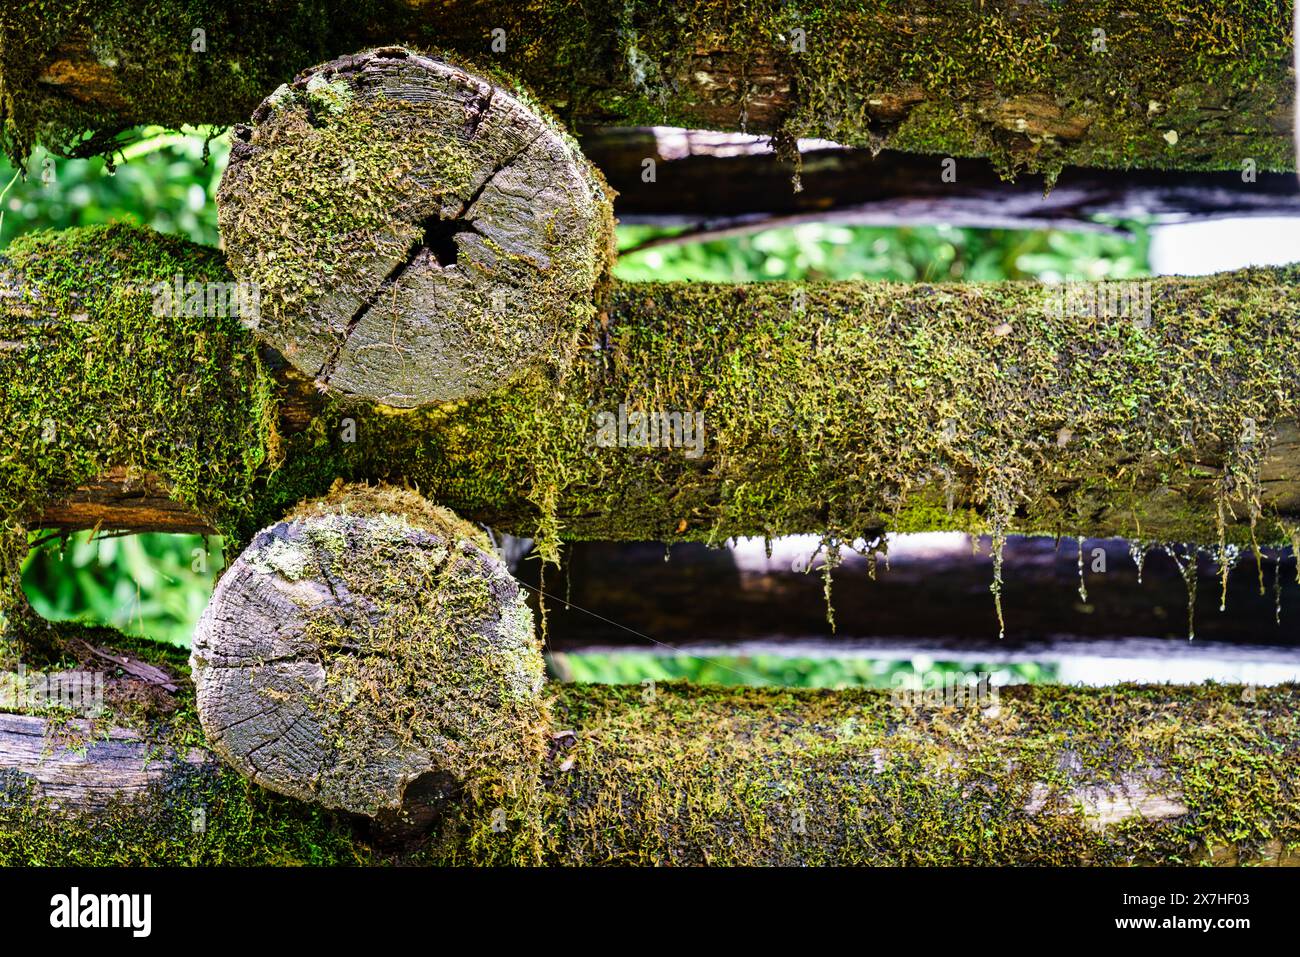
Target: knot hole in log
439, 239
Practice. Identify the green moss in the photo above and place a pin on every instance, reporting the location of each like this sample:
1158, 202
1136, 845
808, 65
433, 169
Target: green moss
857, 408
675, 774
201, 813
682, 775
94, 378
1027, 84
849, 409
203, 816
159, 70
1045, 85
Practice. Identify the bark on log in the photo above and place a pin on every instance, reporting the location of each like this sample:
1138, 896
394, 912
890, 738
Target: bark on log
1139, 83
415, 232
368, 641
855, 186
846, 408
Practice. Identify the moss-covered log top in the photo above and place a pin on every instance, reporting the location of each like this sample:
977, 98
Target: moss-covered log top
859, 407
842, 408
1189, 84
681, 775
94, 377
1045, 775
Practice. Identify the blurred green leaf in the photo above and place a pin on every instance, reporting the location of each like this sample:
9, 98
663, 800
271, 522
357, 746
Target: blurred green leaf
903, 254
153, 585
160, 181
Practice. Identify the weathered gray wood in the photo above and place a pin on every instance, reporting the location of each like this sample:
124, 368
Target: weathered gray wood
416, 232
73, 768
364, 643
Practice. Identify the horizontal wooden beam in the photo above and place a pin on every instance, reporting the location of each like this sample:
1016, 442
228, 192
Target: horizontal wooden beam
927, 596
669, 774
858, 187
1037, 85
848, 409
518, 772
89, 771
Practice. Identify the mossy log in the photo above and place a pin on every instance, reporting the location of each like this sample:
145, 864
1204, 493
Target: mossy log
671, 774
844, 408
415, 232
1117, 83
119, 767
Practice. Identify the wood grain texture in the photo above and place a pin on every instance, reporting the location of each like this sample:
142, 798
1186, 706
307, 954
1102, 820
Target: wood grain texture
343, 656
418, 233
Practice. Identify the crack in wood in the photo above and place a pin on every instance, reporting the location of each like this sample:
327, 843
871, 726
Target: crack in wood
437, 240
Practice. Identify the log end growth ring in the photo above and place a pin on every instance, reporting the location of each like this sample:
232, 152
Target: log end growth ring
416, 233
367, 642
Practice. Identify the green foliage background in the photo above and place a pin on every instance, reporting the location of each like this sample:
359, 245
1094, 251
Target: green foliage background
153, 585
635, 667
157, 585
161, 181
904, 254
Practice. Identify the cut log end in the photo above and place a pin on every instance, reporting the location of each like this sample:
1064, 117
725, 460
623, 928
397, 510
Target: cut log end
416, 234
368, 641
